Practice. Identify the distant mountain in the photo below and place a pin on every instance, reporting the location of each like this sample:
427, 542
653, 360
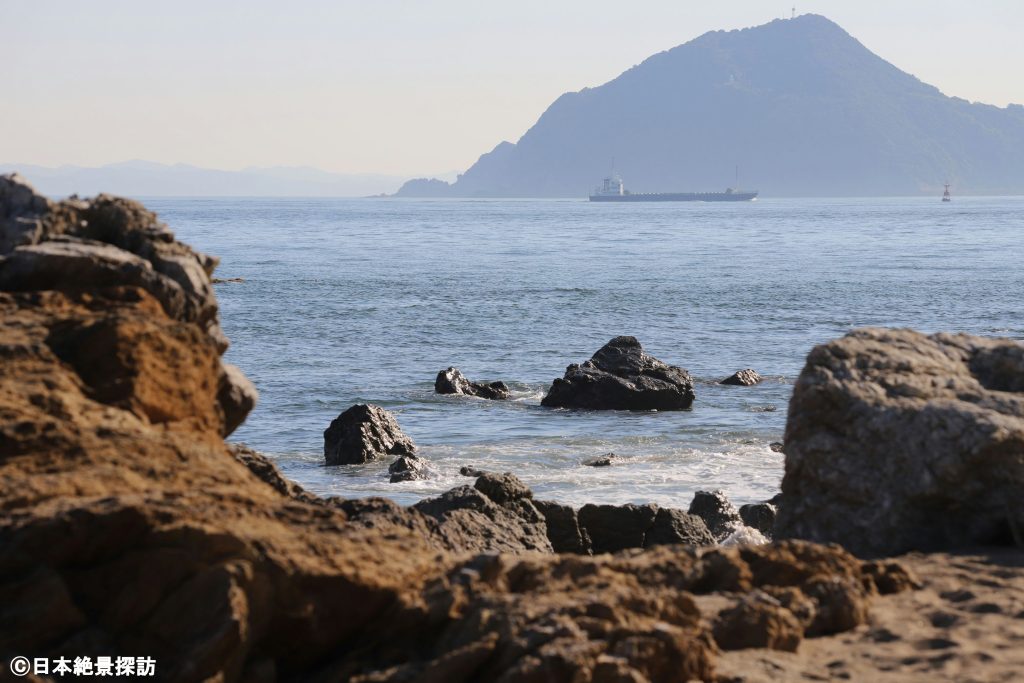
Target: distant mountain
148, 179
800, 106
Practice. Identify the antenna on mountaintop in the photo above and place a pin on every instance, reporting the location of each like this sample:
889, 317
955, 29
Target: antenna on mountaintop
793, 15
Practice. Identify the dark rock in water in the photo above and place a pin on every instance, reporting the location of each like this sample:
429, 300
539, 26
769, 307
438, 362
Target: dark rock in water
407, 468
605, 460
675, 526
776, 446
564, 530
364, 433
898, 440
760, 516
470, 518
718, 513
742, 378
616, 527
469, 471
452, 381
620, 376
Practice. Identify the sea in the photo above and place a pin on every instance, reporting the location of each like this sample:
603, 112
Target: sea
348, 301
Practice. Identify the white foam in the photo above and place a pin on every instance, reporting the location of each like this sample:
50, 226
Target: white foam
745, 535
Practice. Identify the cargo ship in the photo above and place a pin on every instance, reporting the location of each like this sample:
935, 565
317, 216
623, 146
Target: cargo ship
613, 190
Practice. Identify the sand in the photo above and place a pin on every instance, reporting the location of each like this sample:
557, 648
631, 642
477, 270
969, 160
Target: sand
965, 624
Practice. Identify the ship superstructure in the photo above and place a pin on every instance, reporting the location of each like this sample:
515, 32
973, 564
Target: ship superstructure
614, 190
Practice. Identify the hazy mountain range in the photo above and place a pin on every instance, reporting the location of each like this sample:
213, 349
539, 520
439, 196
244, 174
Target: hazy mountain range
148, 179
798, 106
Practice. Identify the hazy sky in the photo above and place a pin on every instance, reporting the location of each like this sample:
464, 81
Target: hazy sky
392, 86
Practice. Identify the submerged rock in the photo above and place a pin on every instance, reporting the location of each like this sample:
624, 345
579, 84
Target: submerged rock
363, 433
452, 381
718, 513
470, 471
897, 441
742, 378
407, 468
621, 376
606, 460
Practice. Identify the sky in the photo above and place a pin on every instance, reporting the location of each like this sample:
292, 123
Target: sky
402, 87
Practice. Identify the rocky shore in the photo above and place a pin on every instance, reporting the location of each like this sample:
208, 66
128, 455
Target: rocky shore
130, 526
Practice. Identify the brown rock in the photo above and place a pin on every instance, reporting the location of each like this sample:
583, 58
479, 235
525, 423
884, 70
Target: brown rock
758, 620
897, 440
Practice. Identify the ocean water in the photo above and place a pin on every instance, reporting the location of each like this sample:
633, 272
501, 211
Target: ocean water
365, 300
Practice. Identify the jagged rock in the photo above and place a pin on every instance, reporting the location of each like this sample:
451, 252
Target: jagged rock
616, 527
620, 376
21, 213
470, 471
407, 468
758, 620
742, 378
672, 526
606, 460
675, 526
267, 472
502, 488
760, 516
897, 440
452, 381
363, 433
497, 514
718, 513
237, 396
776, 446
105, 241
564, 531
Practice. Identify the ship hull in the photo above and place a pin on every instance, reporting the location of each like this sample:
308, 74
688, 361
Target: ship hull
677, 197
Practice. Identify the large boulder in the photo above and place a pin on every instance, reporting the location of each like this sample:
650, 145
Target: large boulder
621, 376
898, 440
452, 381
362, 433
